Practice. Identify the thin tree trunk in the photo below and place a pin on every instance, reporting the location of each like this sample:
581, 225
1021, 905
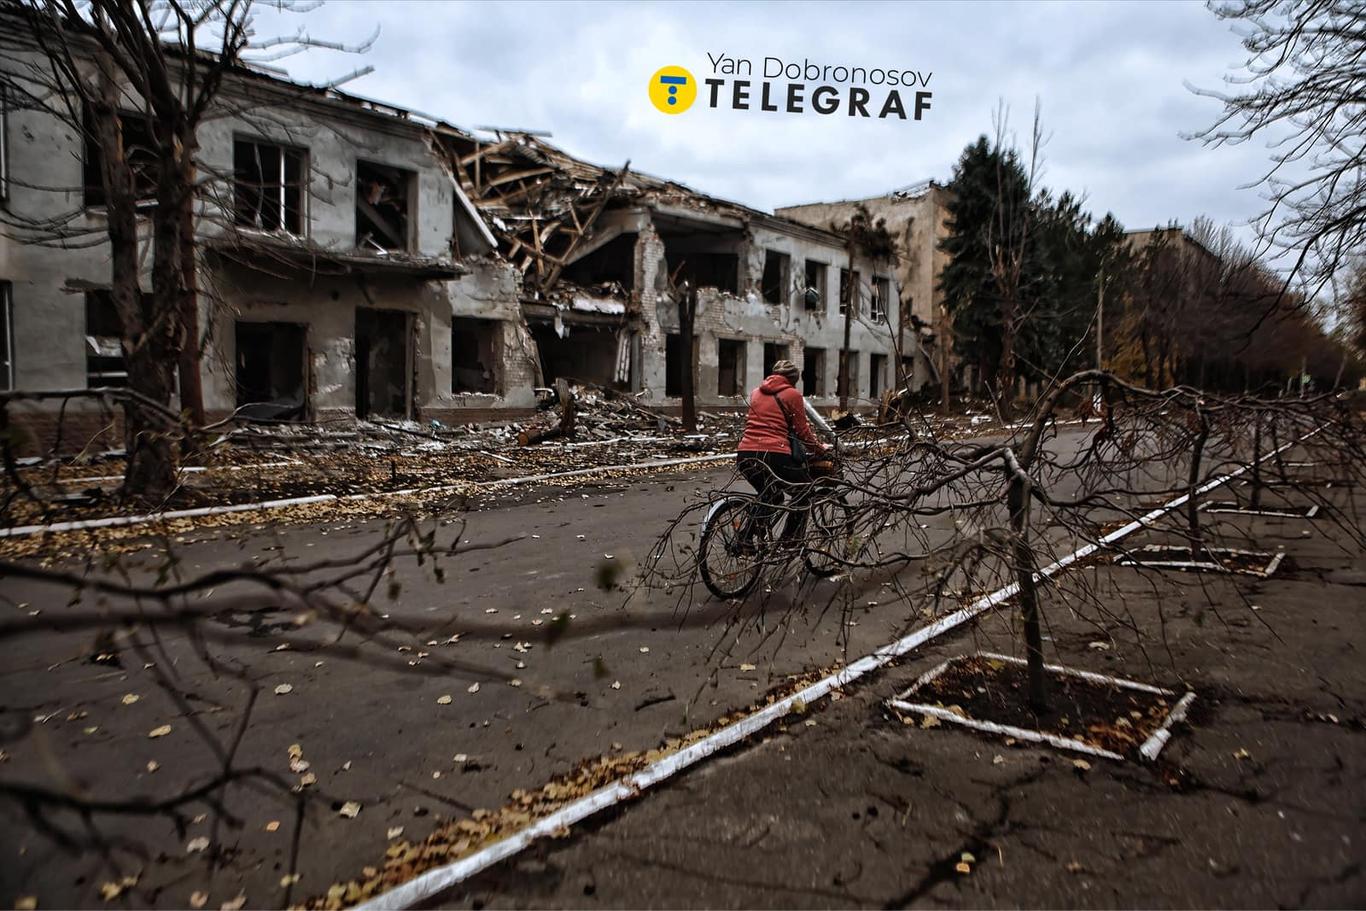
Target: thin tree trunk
1192, 501
191, 378
1255, 501
687, 313
1017, 499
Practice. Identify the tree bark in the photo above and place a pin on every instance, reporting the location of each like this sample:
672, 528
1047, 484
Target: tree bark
687, 314
1017, 500
150, 468
190, 361
1193, 501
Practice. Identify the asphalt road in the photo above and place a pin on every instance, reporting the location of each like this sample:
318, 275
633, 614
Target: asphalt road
385, 737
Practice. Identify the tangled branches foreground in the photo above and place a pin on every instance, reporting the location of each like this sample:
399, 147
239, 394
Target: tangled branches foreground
968, 519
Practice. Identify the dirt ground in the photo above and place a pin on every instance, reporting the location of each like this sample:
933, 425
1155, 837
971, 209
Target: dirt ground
1259, 801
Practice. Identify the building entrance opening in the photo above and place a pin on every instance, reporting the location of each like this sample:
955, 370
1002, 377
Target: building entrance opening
270, 371
383, 364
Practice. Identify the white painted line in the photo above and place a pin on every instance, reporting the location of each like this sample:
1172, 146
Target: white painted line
991, 727
437, 880
1226, 508
119, 521
1154, 744
1052, 668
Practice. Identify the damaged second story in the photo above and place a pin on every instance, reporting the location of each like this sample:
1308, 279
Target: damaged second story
604, 254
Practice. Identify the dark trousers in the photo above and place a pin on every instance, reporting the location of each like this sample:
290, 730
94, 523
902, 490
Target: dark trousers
774, 475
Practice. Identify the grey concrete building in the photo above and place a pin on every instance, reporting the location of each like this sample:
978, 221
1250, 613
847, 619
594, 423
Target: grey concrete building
605, 254
917, 217
362, 259
338, 260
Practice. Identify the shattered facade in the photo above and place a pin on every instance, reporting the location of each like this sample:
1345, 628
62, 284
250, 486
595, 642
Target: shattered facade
917, 217
360, 259
605, 257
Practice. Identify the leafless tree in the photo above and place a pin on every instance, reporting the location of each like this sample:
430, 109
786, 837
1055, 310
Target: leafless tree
97, 68
1302, 93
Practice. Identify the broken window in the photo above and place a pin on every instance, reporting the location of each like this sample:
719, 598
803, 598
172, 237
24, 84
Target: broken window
815, 281
138, 149
777, 269
614, 263
6, 336
879, 307
877, 367
773, 353
853, 375
473, 344
383, 207
586, 354
730, 366
270, 370
383, 364
849, 282
697, 261
268, 186
673, 363
813, 372
104, 363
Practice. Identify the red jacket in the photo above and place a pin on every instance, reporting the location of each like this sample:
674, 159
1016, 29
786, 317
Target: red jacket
765, 425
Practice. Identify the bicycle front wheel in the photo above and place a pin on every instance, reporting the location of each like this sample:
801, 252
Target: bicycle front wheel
729, 564
831, 540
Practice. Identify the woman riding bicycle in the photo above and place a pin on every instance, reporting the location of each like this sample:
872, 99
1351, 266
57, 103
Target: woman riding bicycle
777, 414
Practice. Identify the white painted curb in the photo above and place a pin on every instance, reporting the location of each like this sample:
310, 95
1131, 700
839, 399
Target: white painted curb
118, 521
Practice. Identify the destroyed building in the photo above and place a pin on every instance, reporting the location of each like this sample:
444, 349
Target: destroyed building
359, 259
917, 218
605, 254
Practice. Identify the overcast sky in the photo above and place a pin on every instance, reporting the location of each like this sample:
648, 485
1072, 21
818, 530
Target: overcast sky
1110, 78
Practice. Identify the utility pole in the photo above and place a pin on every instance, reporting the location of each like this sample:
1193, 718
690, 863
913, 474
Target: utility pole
1100, 320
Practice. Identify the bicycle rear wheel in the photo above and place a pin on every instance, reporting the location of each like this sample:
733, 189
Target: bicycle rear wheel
730, 566
831, 539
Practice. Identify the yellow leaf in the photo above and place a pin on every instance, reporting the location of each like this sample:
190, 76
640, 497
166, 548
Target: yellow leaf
350, 809
199, 899
130, 698
444, 700
159, 732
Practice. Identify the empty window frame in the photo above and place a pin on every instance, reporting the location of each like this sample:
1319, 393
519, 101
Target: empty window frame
880, 305
104, 363
6, 336
730, 366
815, 281
773, 353
877, 369
813, 371
849, 293
473, 342
138, 149
268, 186
777, 275
384, 207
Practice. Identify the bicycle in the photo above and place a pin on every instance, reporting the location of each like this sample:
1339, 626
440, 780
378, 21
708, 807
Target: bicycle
736, 540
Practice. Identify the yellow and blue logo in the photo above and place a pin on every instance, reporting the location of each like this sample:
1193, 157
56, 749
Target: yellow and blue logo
672, 89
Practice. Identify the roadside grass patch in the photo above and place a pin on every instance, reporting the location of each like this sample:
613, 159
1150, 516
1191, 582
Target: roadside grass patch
1092, 714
